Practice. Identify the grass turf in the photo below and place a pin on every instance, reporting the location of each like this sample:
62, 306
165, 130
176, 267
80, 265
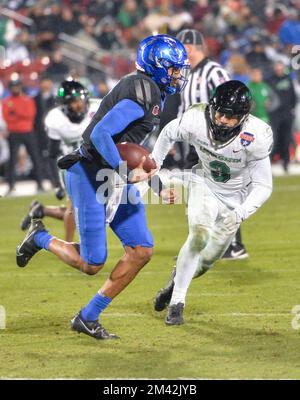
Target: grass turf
238, 316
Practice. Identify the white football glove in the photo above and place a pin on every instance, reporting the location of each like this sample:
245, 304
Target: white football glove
231, 221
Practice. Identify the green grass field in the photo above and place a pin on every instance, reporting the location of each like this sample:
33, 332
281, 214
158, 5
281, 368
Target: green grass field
238, 316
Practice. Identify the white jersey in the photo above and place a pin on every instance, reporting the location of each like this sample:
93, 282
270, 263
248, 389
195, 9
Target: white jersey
59, 127
237, 172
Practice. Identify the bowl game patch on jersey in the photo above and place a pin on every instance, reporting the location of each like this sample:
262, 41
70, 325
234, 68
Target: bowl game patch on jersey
246, 138
155, 110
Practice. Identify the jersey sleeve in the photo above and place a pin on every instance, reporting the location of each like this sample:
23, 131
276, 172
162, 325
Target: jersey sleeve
262, 145
52, 124
260, 190
175, 131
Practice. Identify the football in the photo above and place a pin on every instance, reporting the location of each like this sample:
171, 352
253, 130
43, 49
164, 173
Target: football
133, 154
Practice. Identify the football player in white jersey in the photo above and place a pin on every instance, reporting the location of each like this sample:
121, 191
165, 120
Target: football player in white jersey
65, 125
232, 180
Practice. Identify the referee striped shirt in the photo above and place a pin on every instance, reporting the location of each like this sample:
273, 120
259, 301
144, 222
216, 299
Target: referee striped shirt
202, 81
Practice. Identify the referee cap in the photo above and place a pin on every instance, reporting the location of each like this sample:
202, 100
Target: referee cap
190, 36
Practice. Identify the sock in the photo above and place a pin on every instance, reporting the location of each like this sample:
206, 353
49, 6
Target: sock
238, 237
186, 266
42, 239
95, 307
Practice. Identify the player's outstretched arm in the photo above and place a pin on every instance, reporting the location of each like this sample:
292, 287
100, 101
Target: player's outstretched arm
138, 174
173, 132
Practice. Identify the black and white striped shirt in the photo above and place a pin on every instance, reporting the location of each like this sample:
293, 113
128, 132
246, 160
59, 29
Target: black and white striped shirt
202, 81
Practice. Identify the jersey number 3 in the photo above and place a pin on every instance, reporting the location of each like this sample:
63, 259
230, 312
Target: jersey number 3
219, 171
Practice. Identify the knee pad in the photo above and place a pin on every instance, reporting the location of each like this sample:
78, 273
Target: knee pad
199, 236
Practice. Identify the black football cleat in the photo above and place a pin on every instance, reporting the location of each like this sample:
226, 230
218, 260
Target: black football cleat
235, 252
36, 211
91, 328
163, 297
27, 249
175, 314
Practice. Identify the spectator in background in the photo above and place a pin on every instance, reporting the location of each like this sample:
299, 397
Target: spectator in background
44, 101
289, 32
238, 68
257, 58
46, 26
102, 88
130, 19
107, 36
130, 14
282, 117
8, 30
19, 113
4, 150
261, 95
275, 18
69, 23
16, 50
58, 70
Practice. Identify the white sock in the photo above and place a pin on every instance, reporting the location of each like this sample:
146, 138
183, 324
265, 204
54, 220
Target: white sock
186, 266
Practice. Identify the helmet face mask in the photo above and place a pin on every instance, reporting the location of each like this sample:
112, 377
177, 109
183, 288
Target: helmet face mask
69, 93
225, 132
164, 59
231, 102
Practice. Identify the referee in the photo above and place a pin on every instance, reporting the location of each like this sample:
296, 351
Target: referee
205, 76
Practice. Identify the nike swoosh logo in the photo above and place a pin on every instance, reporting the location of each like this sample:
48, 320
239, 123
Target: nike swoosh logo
236, 151
19, 254
236, 253
90, 331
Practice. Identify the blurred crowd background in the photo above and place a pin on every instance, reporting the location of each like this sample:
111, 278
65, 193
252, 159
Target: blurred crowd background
42, 42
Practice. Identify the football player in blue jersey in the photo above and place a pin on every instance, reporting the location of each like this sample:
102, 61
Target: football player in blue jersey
129, 112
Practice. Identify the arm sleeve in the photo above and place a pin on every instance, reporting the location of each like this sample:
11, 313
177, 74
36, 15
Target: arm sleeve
260, 189
114, 122
173, 132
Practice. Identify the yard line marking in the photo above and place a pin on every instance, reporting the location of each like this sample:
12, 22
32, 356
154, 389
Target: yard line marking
288, 188
199, 315
215, 271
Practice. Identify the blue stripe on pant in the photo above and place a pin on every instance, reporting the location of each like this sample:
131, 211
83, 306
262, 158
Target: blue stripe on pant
129, 223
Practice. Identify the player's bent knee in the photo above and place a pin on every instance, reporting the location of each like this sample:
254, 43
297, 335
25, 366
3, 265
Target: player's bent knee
199, 237
92, 269
142, 255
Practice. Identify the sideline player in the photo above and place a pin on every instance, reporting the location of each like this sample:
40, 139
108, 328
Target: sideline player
232, 180
128, 113
65, 125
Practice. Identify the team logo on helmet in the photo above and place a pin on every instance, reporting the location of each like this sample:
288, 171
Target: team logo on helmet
155, 110
246, 138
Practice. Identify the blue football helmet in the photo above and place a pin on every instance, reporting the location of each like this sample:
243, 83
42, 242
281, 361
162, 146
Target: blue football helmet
156, 55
